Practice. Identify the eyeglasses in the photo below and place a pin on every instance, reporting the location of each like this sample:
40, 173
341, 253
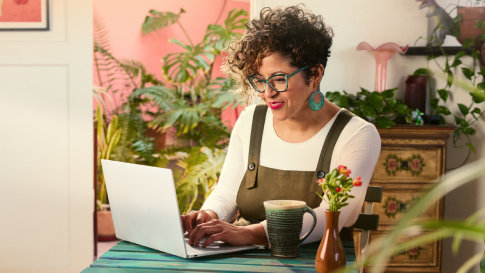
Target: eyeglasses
277, 82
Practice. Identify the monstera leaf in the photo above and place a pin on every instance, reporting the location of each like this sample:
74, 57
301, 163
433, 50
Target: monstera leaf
220, 35
158, 20
183, 66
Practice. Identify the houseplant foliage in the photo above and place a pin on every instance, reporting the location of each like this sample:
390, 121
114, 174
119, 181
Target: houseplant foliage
191, 100
115, 78
108, 135
412, 231
416, 232
380, 108
465, 70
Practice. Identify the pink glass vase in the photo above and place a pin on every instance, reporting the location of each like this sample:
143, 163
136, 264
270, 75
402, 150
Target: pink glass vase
382, 54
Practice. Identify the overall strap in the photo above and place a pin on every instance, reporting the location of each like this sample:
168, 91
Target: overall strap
323, 166
255, 144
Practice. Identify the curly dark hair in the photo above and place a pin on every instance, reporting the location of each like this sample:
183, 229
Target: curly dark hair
299, 35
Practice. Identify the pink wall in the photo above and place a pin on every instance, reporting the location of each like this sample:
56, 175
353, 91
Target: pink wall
20, 11
123, 20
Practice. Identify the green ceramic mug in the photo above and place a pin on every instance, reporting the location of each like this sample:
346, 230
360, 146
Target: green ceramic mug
285, 219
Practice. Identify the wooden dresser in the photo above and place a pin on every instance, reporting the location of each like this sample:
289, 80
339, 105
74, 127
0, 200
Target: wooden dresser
412, 159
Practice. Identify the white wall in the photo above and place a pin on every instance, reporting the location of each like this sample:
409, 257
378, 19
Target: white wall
399, 21
46, 175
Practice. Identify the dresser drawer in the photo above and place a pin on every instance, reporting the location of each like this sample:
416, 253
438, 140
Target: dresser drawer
427, 255
409, 165
397, 200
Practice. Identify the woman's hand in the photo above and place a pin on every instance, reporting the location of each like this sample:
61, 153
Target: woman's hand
194, 218
217, 230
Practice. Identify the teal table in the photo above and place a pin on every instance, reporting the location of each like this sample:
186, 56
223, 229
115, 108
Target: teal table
126, 257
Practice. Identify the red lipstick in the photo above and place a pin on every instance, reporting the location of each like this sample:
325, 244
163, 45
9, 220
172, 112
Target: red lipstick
275, 105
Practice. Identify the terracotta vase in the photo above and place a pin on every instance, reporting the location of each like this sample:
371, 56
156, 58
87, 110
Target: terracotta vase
330, 255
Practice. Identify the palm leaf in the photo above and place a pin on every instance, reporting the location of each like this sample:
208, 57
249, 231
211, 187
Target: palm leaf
162, 96
202, 168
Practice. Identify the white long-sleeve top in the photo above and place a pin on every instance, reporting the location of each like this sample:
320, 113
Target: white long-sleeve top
358, 148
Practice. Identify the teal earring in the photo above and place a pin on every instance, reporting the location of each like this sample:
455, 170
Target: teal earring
314, 105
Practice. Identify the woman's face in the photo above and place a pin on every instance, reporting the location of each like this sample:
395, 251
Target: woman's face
292, 103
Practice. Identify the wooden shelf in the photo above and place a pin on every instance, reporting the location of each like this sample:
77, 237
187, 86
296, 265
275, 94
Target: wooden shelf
435, 50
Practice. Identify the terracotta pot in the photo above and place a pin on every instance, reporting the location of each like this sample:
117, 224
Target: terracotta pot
106, 229
330, 255
159, 138
470, 17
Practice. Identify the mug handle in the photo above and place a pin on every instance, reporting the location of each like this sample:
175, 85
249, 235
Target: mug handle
309, 210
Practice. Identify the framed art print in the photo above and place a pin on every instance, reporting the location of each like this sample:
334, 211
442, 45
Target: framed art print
24, 15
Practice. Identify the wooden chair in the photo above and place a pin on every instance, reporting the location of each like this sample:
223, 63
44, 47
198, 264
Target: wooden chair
365, 223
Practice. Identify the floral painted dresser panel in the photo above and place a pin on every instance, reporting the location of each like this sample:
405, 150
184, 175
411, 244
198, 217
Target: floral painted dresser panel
412, 159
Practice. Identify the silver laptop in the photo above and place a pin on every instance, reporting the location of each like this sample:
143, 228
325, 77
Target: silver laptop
145, 210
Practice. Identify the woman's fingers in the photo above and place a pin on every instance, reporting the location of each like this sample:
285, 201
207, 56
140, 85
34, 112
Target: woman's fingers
217, 230
204, 231
194, 218
202, 217
214, 237
188, 221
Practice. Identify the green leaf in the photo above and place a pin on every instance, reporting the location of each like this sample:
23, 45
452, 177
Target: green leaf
478, 95
463, 109
337, 98
388, 93
461, 122
383, 122
456, 63
369, 111
469, 131
158, 20
375, 99
221, 35
471, 147
181, 67
449, 78
468, 72
476, 110
422, 71
434, 102
443, 94
442, 110
469, 42
482, 71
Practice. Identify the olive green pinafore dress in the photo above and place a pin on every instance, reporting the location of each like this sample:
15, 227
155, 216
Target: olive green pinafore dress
261, 183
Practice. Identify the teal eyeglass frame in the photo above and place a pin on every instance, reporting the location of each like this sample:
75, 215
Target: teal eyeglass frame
266, 82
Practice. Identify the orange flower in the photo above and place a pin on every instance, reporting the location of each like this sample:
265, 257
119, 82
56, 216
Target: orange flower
343, 170
321, 180
358, 181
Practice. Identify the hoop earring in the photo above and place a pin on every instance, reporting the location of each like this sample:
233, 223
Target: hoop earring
314, 105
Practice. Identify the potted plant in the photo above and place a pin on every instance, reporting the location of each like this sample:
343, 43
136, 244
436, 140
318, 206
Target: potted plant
465, 71
191, 100
108, 136
188, 101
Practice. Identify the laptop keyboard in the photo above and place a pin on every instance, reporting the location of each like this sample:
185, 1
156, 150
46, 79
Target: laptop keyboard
216, 244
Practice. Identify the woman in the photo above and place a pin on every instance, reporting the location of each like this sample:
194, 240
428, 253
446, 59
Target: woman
279, 153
